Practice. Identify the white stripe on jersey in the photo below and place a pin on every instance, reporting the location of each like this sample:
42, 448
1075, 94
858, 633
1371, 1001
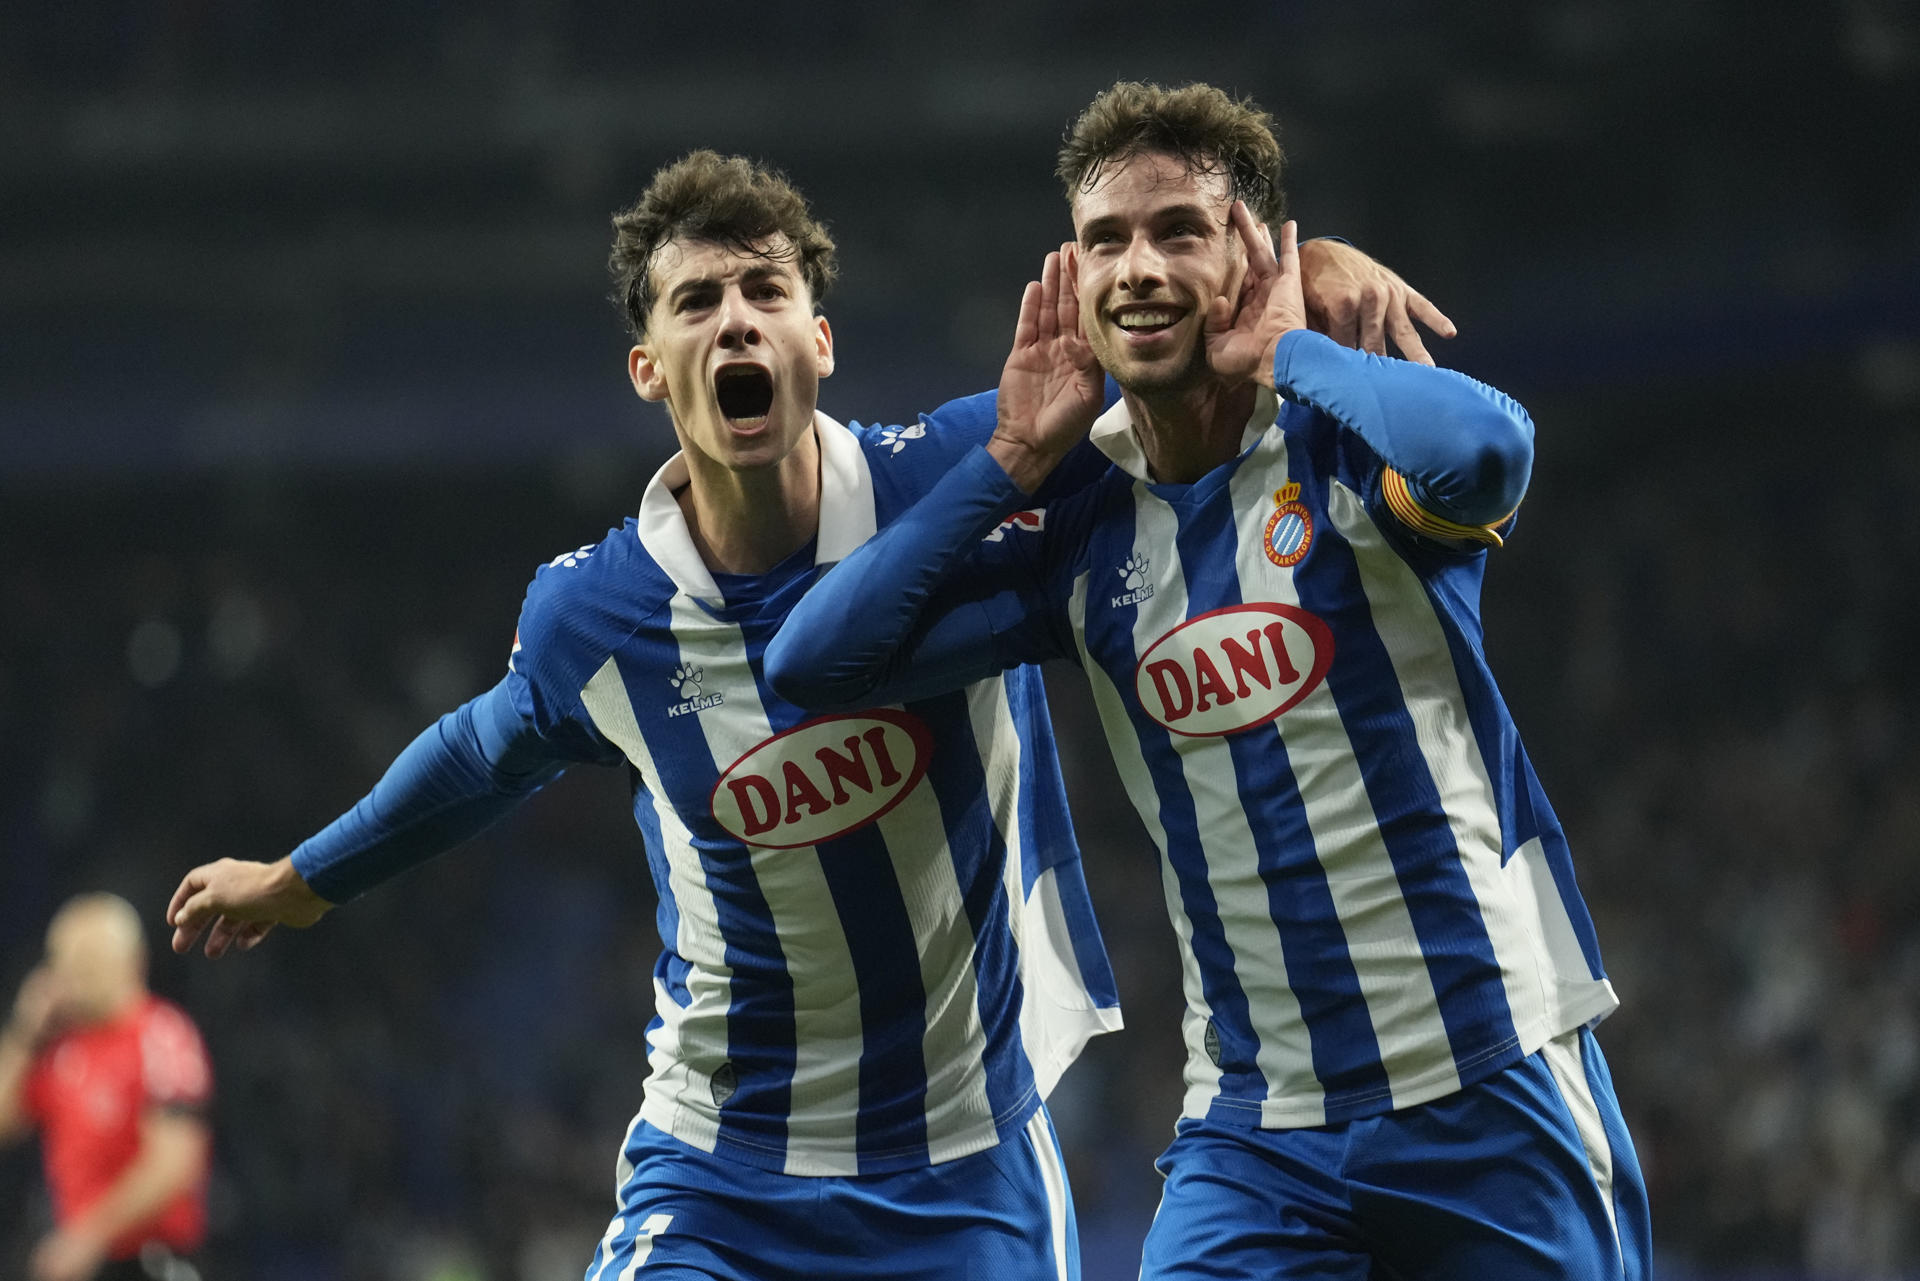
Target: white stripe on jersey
698, 941
1382, 944
953, 1048
1575, 1000
829, 1038
1232, 860
1422, 662
1201, 1075
1057, 1014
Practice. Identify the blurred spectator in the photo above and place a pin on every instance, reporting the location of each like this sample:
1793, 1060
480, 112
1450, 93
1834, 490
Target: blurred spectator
116, 1081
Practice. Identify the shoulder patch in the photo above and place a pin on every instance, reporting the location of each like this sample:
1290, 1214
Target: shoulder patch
1029, 522
572, 559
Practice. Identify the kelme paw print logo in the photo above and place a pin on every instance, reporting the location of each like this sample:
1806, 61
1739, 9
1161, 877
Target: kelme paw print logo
899, 436
1134, 571
686, 680
569, 560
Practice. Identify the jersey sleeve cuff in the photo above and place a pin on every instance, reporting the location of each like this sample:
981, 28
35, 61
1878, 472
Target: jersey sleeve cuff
1408, 511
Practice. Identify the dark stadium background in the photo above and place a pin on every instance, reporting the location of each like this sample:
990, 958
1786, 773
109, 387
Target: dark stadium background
304, 365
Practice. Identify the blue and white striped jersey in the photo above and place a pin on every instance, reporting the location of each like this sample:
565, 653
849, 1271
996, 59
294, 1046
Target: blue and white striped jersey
879, 950
1374, 902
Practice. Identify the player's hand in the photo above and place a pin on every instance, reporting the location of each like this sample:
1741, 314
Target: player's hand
237, 903
1357, 302
66, 1256
36, 1007
1052, 386
1241, 335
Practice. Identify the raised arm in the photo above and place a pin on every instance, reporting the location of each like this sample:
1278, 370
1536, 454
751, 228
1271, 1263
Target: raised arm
462, 774
1464, 450
875, 629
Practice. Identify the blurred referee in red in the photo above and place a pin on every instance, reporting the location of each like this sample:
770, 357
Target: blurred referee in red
117, 1082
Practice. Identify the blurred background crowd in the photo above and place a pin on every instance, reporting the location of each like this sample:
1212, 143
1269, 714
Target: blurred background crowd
304, 365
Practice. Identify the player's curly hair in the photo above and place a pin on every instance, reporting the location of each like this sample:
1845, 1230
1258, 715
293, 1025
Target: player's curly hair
1209, 131
727, 200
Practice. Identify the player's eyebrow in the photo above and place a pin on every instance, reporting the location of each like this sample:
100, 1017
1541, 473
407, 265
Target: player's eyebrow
1186, 210
751, 276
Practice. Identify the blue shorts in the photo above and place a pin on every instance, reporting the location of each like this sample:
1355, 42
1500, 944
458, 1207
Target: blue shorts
999, 1215
1527, 1174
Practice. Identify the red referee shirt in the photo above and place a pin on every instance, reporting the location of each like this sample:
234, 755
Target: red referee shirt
88, 1089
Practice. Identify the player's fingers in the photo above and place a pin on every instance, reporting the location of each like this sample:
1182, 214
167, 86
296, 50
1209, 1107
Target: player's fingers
249, 938
1430, 316
1260, 259
1069, 317
1026, 330
1373, 319
1407, 339
220, 937
190, 884
1289, 255
1048, 319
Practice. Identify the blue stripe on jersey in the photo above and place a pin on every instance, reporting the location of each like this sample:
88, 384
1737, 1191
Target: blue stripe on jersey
760, 1019
886, 960
1346, 1055
1453, 591
893, 1000
1109, 632
672, 968
978, 850
1413, 827
1046, 839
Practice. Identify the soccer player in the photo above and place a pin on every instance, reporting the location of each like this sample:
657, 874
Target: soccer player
879, 953
117, 1081
1391, 979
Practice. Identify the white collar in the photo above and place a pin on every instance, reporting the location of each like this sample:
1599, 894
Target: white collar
1113, 433
846, 511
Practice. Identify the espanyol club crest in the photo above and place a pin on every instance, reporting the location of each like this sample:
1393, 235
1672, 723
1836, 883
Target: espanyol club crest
1289, 534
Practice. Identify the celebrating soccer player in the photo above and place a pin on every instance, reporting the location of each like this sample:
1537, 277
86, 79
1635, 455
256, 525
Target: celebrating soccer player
879, 953
1391, 979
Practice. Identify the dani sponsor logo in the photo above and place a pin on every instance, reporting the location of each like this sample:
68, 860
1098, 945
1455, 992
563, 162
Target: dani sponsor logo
822, 779
1231, 669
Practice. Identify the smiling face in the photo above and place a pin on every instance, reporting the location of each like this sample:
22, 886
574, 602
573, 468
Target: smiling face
1154, 249
734, 349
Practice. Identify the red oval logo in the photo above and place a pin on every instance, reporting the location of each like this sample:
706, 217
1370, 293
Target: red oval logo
822, 779
1231, 669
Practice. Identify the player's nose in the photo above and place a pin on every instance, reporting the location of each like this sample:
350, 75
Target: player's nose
737, 327
1142, 267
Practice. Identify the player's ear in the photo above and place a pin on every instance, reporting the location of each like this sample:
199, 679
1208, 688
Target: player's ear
649, 379
823, 345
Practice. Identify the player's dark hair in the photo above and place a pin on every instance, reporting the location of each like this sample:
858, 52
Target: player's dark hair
1208, 131
726, 200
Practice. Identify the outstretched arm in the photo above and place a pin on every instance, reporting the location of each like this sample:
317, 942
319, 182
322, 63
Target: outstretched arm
1464, 450
461, 775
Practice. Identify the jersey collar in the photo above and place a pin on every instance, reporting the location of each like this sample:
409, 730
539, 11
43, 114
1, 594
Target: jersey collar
1114, 436
846, 512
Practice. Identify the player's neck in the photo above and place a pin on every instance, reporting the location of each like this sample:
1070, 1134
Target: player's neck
747, 521
1187, 433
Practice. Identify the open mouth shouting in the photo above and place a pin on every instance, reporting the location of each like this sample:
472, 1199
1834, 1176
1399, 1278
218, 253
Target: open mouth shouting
744, 393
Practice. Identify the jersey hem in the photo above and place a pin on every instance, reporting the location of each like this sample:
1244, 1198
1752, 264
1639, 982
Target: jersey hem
813, 1161
1449, 1078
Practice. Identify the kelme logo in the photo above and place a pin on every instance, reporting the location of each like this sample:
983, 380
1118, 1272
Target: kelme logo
1231, 669
822, 779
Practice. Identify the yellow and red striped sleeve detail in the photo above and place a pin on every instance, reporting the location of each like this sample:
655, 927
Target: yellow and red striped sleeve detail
1400, 501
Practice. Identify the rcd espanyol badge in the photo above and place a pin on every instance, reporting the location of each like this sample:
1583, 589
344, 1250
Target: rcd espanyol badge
1289, 535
